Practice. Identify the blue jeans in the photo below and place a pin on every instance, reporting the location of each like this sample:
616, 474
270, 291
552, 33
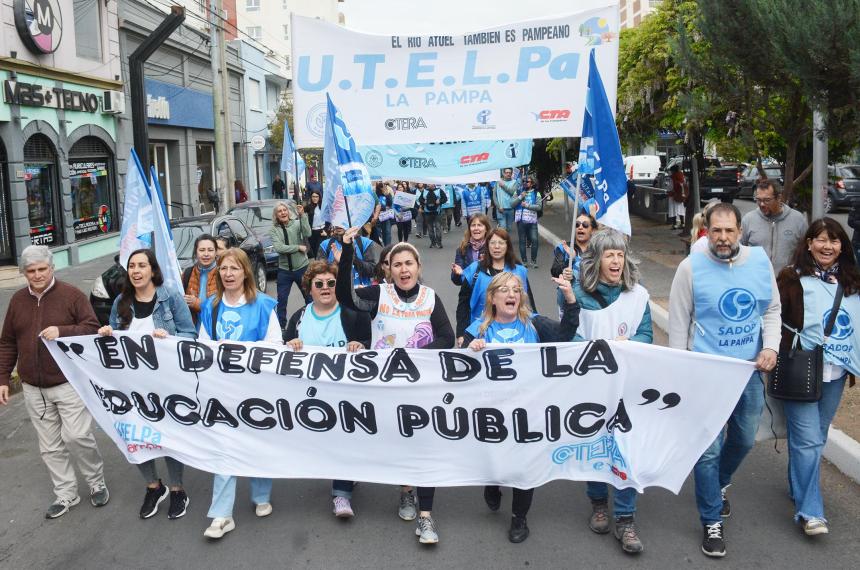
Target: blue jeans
506, 219
623, 502
224, 494
384, 229
526, 233
715, 467
342, 488
286, 278
808, 424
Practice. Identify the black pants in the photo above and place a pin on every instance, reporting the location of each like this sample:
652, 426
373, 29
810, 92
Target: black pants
425, 498
522, 500
314, 243
403, 229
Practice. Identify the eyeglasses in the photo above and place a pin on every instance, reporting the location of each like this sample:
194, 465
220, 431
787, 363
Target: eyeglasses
763, 200
584, 225
330, 283
515, 290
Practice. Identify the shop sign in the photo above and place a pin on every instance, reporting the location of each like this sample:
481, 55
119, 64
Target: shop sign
39, 23
35, 95
177, 106
90, 169
42, 235
92, 225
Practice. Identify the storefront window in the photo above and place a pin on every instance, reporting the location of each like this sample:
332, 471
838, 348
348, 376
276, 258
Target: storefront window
39, 181
91, 198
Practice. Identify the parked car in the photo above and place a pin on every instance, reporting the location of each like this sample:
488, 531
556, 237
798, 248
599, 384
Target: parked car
843, 186
641, 169
751, 175
258, 216
108, 285
715, 180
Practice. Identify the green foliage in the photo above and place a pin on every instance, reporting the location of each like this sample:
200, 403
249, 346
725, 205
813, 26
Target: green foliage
276, 127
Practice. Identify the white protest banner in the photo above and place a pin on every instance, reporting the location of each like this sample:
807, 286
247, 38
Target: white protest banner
629, 414
404, 199
523, 80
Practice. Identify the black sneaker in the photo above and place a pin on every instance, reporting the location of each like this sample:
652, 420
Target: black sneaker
713, 543
152, 499
519, 530
178, 504
726, 511
493, 497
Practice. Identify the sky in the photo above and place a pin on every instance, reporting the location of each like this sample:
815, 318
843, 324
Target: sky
452, 16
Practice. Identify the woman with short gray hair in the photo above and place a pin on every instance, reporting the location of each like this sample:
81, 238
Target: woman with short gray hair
613, 306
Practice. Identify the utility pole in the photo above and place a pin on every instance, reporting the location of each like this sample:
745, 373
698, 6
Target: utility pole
224, 167
819, 164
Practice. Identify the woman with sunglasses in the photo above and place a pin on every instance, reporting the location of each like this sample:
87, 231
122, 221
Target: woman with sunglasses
237, 311
325, 322
404, 314
145, 306
507, 319
498, 256
585, 226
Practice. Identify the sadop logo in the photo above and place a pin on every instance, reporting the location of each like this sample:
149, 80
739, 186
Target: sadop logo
373, 158
232, 327
842, 327
737, 304
315, 120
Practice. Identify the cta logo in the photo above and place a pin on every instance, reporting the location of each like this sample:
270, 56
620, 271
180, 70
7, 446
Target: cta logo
405, 123
470, 159
737, 304
416, 162
552, 115
842, 327
373, 159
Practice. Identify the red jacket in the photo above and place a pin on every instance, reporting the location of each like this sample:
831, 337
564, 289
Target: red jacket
63, 306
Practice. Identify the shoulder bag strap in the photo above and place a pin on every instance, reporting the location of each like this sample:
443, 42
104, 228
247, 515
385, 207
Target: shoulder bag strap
834, 311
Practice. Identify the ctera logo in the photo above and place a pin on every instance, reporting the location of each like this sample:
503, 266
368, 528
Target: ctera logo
842, 327
405, 123
416, 162
471, 159
552, 115
737, 304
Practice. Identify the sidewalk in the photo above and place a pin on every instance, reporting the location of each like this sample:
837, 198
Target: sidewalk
660, 250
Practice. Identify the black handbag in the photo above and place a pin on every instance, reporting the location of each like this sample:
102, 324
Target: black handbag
799, 373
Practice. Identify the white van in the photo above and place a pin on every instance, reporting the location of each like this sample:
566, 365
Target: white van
642, 168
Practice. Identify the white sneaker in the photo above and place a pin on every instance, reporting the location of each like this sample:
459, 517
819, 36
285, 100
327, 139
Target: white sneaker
219, 527
815, 526
263, 509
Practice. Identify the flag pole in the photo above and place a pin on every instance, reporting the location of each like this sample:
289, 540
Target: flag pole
296, 171
575, 215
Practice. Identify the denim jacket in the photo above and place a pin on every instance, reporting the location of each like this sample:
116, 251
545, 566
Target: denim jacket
171, 313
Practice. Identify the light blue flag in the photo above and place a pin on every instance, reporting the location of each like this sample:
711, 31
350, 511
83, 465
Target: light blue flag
165, 248
348, 196
290, 158
145, 224
604, 185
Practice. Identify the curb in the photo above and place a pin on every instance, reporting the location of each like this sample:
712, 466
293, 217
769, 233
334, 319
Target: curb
841, 449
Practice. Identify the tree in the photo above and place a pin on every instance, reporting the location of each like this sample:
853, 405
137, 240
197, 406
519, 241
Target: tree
284, 114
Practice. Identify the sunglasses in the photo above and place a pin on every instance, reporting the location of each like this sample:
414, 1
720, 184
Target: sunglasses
585, 225
329, 283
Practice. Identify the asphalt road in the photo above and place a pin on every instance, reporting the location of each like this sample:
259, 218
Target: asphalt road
302, 533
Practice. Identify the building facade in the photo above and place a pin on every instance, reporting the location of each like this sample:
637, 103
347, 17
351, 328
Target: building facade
60, 154
632, 12
180, 118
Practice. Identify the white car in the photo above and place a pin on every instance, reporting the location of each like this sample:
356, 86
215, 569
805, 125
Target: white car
642, 168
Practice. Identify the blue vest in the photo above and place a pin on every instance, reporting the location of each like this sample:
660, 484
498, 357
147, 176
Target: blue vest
516, 332
473, 200
479, 280
360, 245
729, 303
843, 345
449, 193
248, 322
525, 215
